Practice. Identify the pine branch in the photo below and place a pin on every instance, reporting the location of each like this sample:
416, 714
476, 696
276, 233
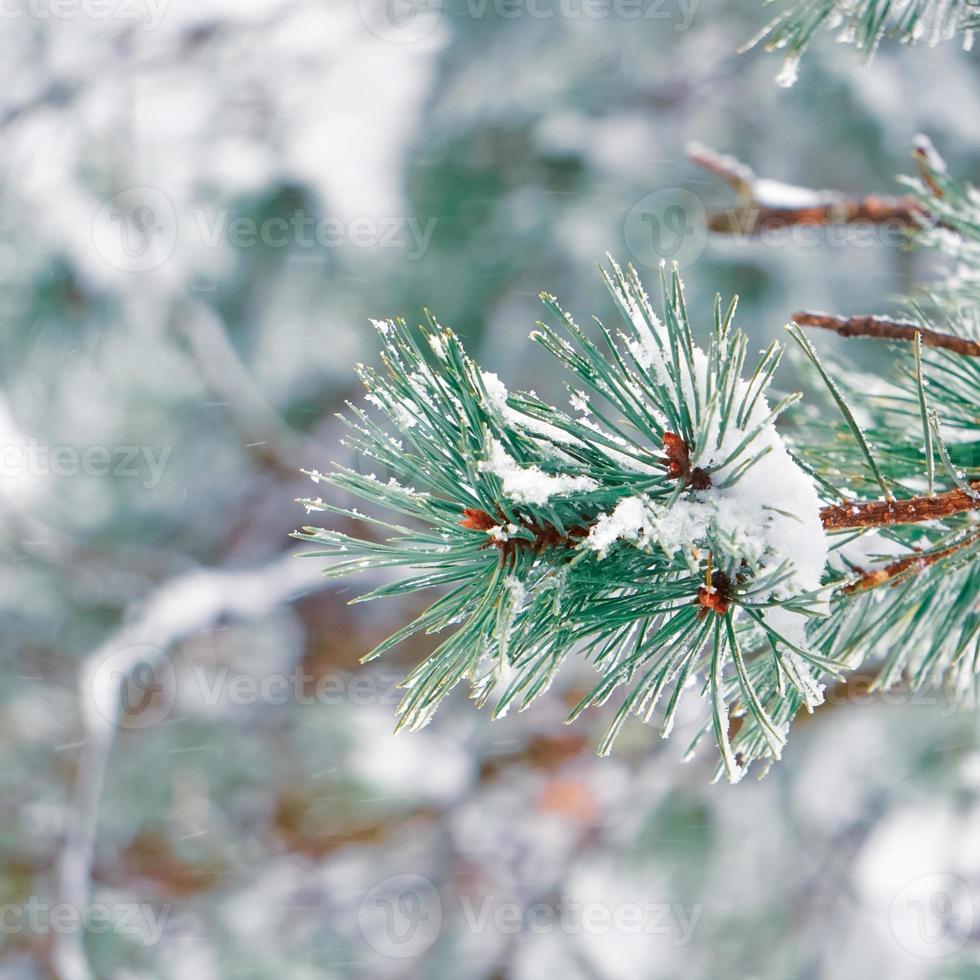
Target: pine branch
912, 612
887, 329
865, 24
640, 534
767, 205
661, 531
892, 572
883, 513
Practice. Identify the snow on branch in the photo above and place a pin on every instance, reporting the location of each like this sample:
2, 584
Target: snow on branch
180, 608
768, 205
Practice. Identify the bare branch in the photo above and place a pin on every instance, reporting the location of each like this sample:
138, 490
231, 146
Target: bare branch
887, 329
266, 435
180, 607
766, 205
915, 510
895, 571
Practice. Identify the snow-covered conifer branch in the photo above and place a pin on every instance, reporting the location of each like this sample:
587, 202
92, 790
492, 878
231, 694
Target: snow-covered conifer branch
765, 205
659, 528
915, 560
865, 24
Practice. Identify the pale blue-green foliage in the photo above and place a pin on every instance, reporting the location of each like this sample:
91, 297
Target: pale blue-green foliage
922, 431
518, 605
865, 24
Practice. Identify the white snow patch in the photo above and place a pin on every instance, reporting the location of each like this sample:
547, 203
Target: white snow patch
627, 521
865, 550
497, 391
769, 517
789, 72
776, 194
530, 484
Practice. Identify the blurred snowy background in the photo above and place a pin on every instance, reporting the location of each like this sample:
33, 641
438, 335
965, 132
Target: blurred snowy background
201, 205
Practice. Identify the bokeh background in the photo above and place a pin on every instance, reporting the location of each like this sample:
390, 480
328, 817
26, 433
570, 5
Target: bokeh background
201, 205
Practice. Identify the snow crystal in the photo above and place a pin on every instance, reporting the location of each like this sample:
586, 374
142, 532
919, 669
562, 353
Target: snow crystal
627, 521
438, 347
501, 534
403, 418
496, 389
518, 592
382, 326
776, 194
530, 484
789, 72
497, 392
923, 145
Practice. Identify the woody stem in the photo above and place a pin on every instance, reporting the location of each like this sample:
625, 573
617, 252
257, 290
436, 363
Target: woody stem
881, 513
887, 329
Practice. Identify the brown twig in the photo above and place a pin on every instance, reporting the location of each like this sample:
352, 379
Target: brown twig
886, 329
892, 572
179, 608
915, 510
766, 205
545, 536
